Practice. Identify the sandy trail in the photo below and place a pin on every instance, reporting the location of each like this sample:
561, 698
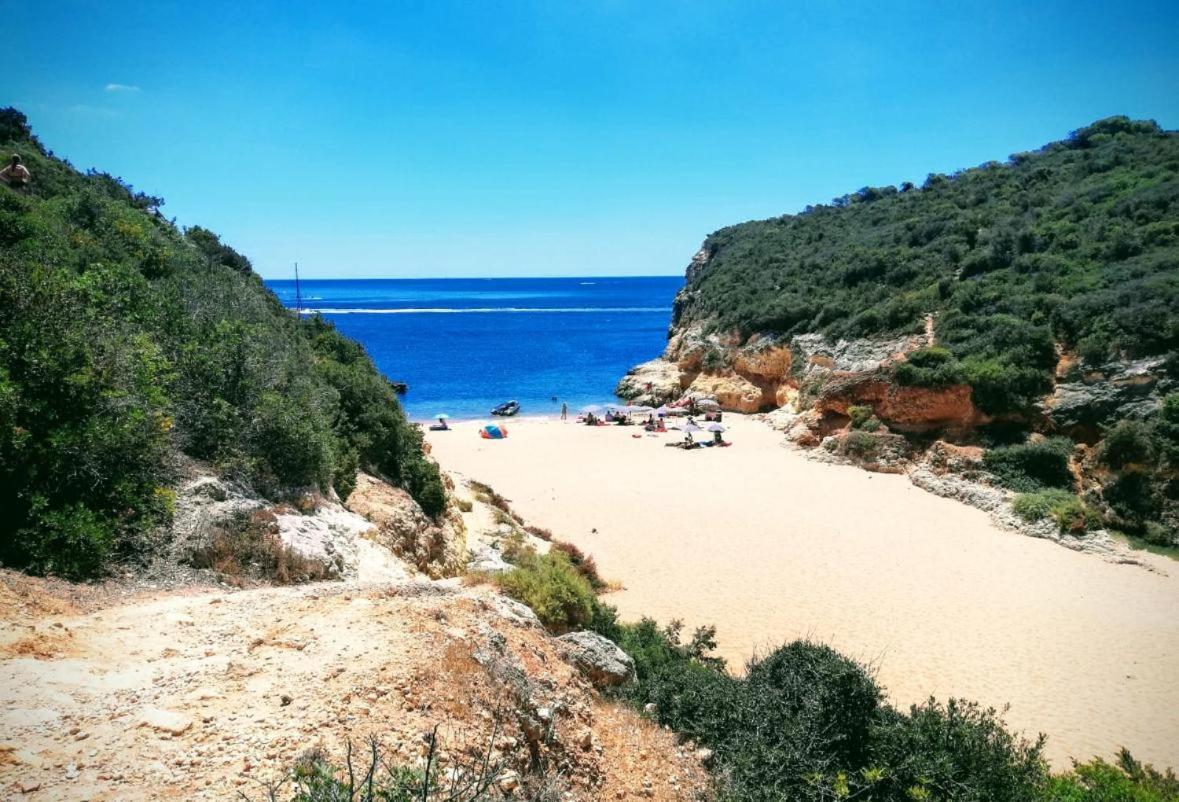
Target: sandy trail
204, 695
771, 546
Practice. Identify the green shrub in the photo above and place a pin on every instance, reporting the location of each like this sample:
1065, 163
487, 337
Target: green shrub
859, 415
807, 724
73, 542
124, 340
561, 597
1100, 781
929, 367
583, 563
1039, 505
1132, 500
956, 750
1070, 513
1031, 466
860, 444
1129, 442
1167, 430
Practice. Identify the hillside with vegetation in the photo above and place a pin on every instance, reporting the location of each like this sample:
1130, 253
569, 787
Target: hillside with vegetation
1076, 243
1037, 296
127, 342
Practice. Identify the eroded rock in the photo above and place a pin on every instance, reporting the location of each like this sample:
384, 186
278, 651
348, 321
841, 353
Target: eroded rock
599, 658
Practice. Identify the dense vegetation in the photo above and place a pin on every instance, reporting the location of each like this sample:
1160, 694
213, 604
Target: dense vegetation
1073, 246
1076, 243
125, 340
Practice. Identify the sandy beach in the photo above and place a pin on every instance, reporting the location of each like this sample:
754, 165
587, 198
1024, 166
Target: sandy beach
770, 546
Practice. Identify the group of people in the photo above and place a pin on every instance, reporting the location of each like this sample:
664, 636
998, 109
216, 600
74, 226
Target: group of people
689, 442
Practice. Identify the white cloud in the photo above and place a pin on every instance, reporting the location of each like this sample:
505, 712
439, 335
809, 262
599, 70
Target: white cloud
128, 88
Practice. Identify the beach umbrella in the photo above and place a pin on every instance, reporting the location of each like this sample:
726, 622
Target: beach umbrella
442, 416
639, 409
715, 427
594, 408
707, 402
690, 427
493, 431
663, 411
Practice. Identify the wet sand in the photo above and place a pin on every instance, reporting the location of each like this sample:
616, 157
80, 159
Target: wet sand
770, 546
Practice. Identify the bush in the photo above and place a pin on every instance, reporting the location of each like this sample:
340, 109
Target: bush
72, 542
929, 367
808, 724
583, 563
1100, 781
859, 415
561, 597
1129, 442
124, 340
1070, 513
1167, 430
860, 444
955, 750
1131, 499
1031, 466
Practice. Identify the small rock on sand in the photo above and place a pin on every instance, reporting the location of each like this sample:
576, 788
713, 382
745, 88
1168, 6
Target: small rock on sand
162, 720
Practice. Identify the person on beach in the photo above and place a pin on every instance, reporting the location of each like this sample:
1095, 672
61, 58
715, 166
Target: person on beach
16, 175
564, 411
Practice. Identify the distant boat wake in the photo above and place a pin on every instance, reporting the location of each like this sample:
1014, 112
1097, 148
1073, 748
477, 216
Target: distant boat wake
481, 310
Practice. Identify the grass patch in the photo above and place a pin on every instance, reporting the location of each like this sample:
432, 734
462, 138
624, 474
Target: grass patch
1070, 513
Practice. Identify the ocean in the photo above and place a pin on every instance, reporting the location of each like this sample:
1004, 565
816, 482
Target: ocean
464, 345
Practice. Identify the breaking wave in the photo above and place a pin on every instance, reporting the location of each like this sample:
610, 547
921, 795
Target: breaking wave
439, 310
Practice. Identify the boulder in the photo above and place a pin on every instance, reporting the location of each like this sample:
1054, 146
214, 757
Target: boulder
598, 658
485, 559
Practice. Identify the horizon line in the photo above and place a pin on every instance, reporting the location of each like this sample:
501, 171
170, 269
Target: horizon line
466, 278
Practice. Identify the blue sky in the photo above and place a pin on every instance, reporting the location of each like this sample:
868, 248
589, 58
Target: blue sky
556, 138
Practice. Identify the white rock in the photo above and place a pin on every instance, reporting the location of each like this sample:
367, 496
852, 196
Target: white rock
161, 720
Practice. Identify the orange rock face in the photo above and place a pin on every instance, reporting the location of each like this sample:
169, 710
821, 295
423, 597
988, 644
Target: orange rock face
905, 407
771, 364
735, 393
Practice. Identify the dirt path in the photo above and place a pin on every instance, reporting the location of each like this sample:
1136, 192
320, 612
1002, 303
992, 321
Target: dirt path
201, 695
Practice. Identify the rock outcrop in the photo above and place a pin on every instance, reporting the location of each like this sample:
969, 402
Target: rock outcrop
210, 510
1085, 400
436, 548
654, 383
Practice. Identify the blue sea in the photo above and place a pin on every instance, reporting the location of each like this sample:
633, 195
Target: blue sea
465, 345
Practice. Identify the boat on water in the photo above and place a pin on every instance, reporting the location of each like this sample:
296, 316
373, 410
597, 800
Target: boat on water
507, 409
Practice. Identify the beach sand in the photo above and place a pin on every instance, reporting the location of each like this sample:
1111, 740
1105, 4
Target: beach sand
770, 546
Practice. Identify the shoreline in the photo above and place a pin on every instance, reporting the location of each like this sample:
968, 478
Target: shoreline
770, 546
